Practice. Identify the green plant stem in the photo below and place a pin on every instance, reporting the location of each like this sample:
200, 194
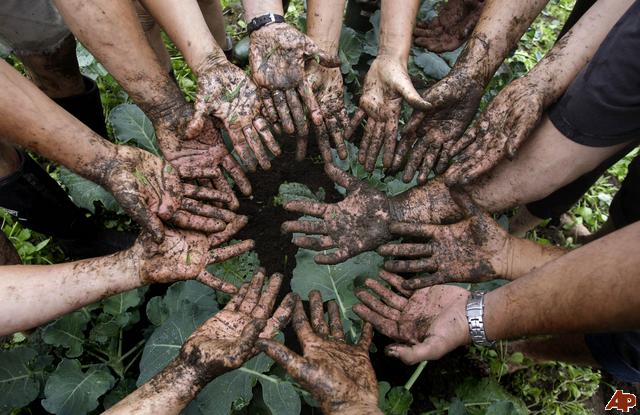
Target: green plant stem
135, 357
132, 350
415, 375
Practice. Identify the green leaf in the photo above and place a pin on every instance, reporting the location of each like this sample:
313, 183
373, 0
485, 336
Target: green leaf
131, 124
237, 269
397, 401
71, 391
165, 342
431, 64
123, 388
280, 396
119, 303
350, 49
89, 66
490, 391
107, 326
68, 332
179, 293
18, 383
233, 390
371, 38
85, 192
297, 191
456, 407
335, 282
502, 408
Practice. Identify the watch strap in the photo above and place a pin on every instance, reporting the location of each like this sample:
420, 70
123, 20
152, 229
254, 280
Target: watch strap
264, 20
475, 318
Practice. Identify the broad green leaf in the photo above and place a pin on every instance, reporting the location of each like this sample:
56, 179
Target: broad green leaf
131, 124
68, 332
397, 401
280, 396
383, 388
371, 38
193, 292
502, 408
85, 192
166, 340
297, 191
487, 390
108, 326
233, 390
335, 282
237, 269
119, 303
71, 391
350, 49
18, 383
431, 64
456, 407
89, 66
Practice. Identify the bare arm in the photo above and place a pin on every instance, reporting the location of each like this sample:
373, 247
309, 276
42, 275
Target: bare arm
324, 23
32, 120
254, 8
590, 289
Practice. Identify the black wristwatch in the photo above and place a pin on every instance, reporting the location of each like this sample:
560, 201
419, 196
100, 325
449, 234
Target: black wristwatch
264, 20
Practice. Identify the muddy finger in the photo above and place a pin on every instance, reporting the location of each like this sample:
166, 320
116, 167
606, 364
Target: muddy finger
297, 113
253, 292
227, 252
187, 220
396, 282
314, 244
268, 299
280, 101
305, 226
318, 324
384, 325
335, 321
388, 296
378, 306
216, 283
405, 250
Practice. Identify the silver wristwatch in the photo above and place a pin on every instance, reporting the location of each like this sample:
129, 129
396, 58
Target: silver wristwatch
475, 318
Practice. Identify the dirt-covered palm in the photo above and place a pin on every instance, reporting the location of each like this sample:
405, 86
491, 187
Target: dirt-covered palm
203, 157
499, 131
386, 85
451, 28
277, 54
183, 255
338, 375
357, 224
227, 340
473, 250
429, 137
428, 323
228, 94
328, 87
150, 191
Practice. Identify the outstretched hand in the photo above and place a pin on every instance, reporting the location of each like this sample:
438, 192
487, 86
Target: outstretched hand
338, 375
473, 250
227, 93
227, 340
203, 157
428, 323
451, 28
277, 54
357, 224
429, 138
499, 131
387, 84
150, 191
183, 255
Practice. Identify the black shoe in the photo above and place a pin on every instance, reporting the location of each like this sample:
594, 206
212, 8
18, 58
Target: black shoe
86, 107
40, 204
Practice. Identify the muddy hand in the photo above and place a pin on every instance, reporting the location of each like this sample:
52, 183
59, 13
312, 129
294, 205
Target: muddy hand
338, 375
277, 55
225, 92
183, 255
203, 157
328, 88
227, 340
428, 323
451, 28
473, 250
357, 224
386, 85
499, 131
150, 191
428, 138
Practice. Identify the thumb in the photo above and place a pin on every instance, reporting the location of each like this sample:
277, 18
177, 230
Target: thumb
405, 88
325, 59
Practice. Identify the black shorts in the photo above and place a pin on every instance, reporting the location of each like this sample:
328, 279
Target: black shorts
601, 107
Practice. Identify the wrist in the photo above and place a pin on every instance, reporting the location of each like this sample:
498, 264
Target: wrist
474, 60
354, 408
178, 379
253, 9
524, 256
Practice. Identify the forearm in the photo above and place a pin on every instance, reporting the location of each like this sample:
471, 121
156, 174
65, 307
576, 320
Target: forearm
35, 294
168, 392
523, 256
396, 27
30, 119
255, 8
112, 32
356, 409
502, 23
591, 289
324, 23
184, 23
562, 64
